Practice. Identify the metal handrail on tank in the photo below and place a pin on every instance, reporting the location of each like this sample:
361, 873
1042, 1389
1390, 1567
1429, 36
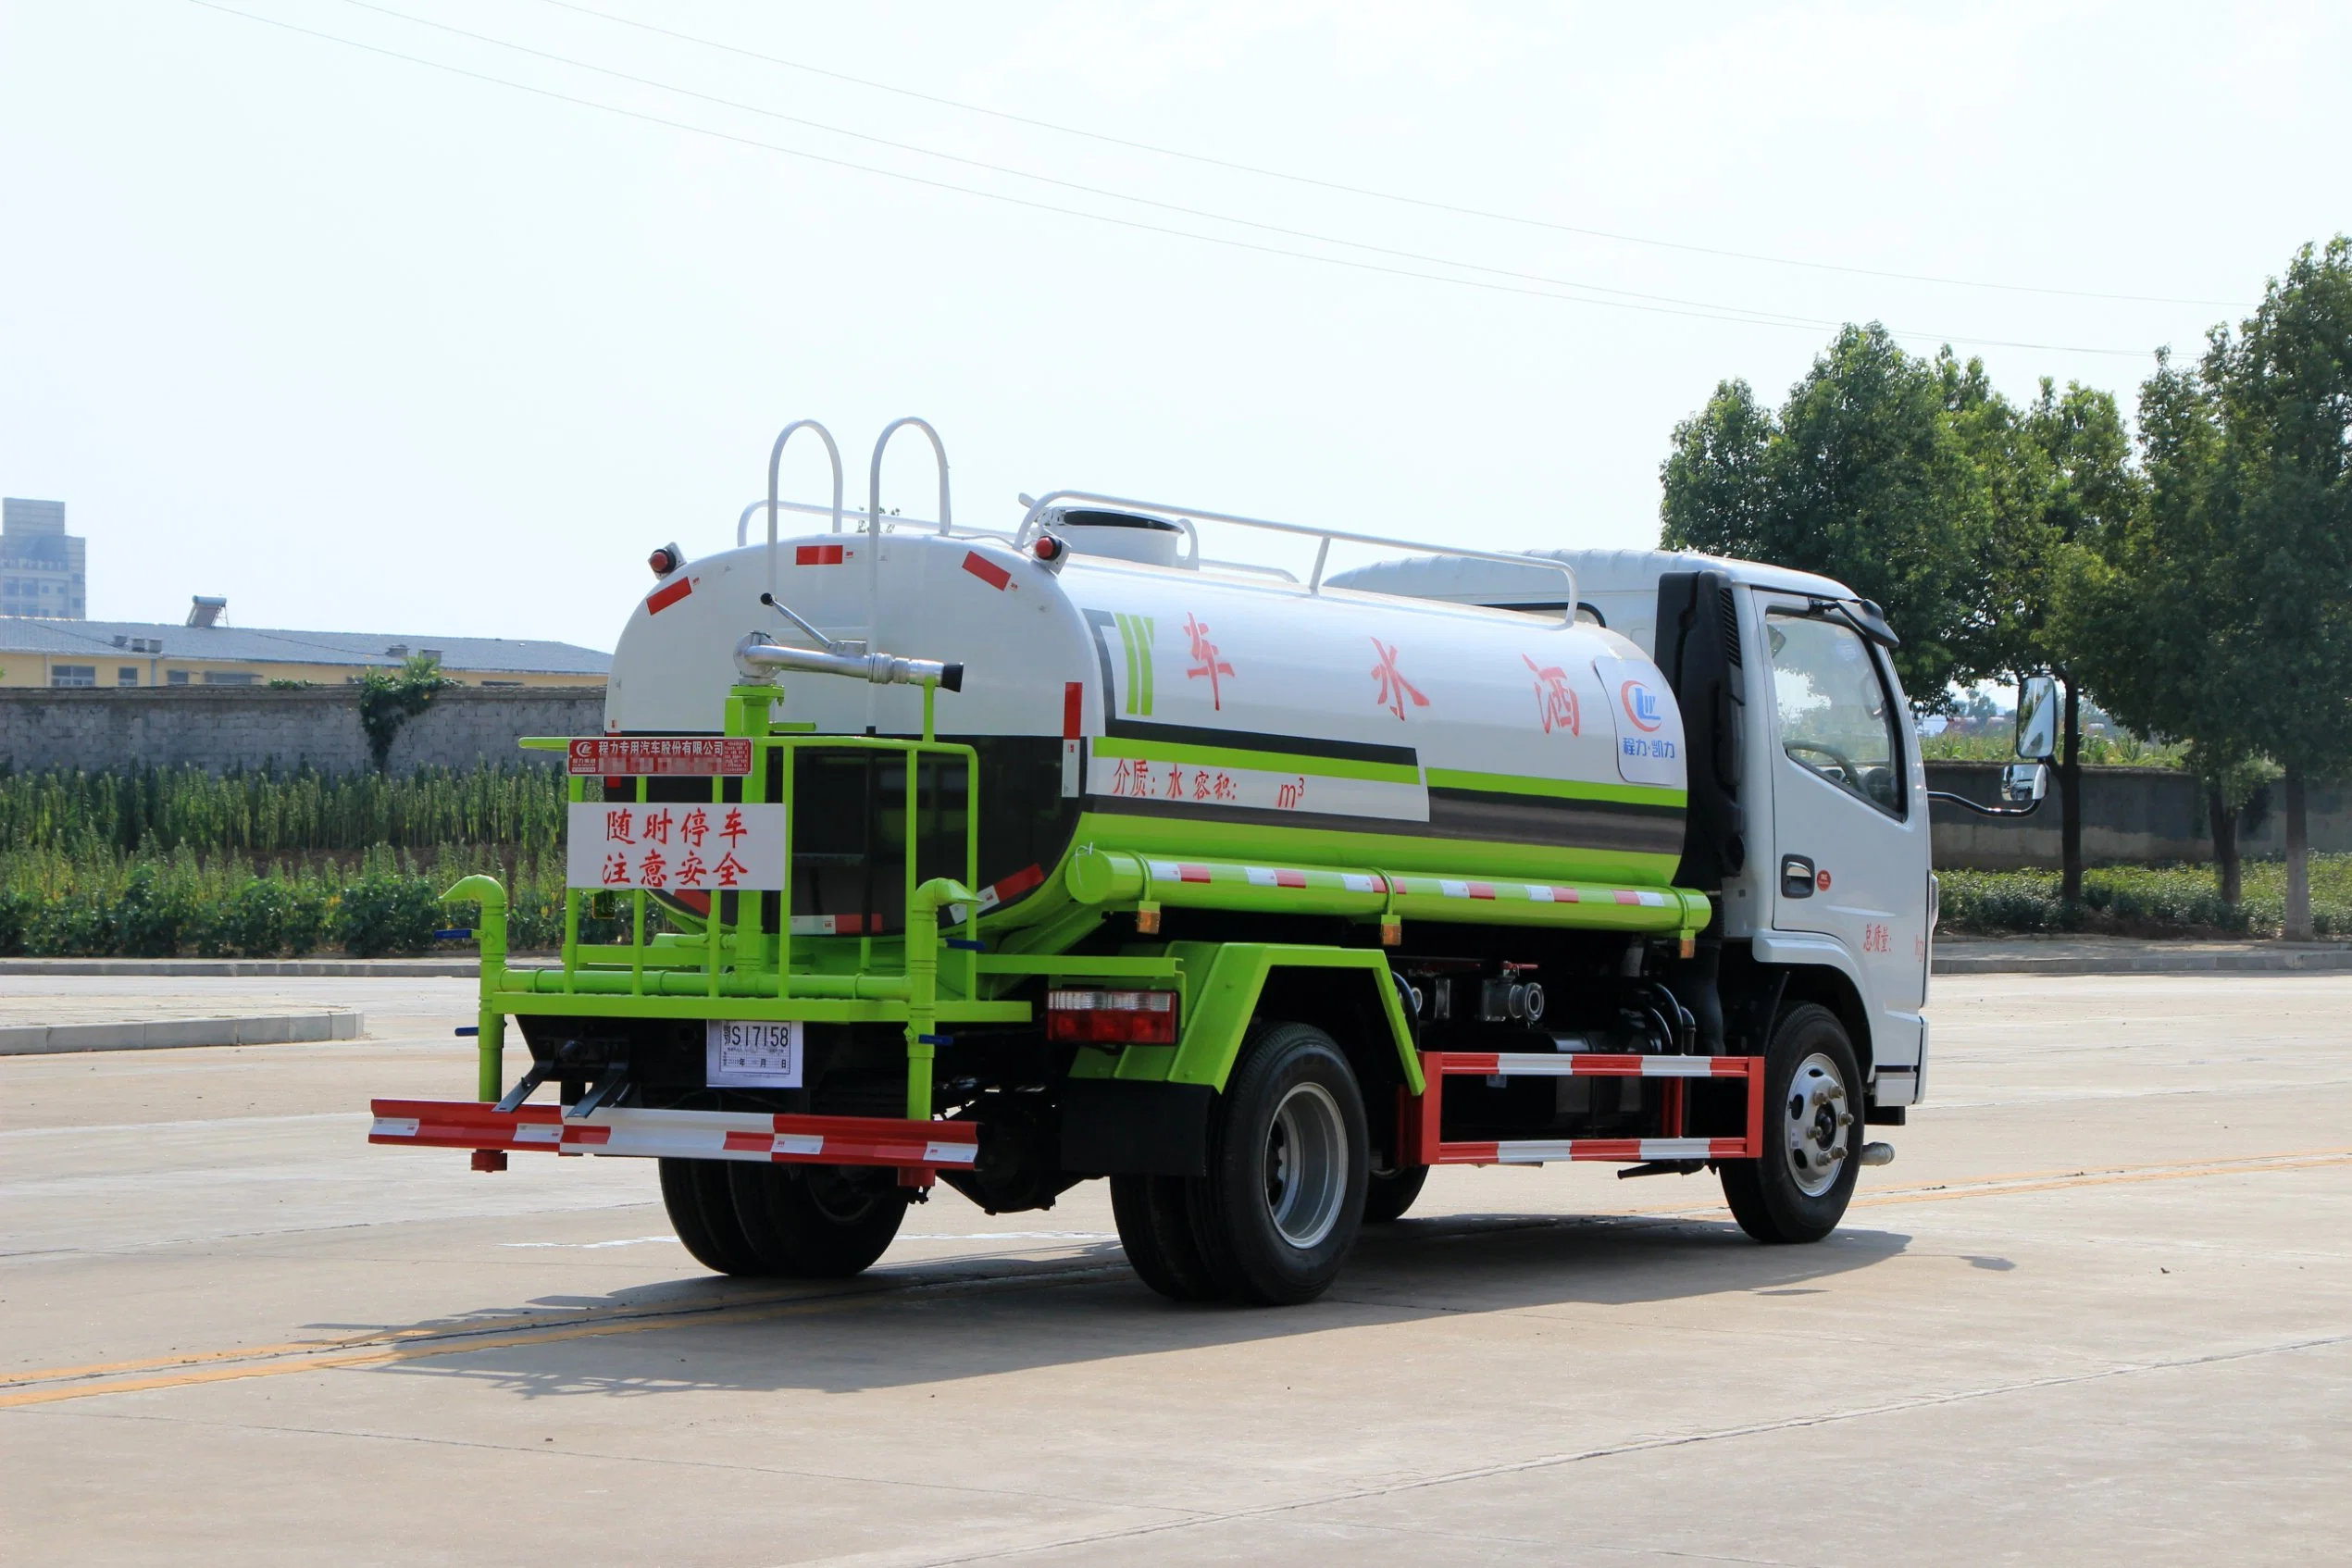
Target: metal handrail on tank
775, 457
873, 506
1185, 515
743, 522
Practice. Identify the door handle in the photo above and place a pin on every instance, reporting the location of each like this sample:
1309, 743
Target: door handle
1796, 876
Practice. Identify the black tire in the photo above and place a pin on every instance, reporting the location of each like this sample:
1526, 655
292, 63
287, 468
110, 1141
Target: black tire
1769, 1197
817, 1222
1278, 1212
1155, 1226
702, 1211
1388, 1194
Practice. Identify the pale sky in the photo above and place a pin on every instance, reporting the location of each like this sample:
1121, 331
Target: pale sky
365, 344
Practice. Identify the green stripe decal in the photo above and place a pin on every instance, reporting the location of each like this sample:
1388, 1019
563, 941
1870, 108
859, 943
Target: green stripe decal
1135, 636
1555, 789
1271, 762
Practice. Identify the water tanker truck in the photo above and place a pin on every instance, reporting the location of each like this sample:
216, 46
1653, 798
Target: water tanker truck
1012, 860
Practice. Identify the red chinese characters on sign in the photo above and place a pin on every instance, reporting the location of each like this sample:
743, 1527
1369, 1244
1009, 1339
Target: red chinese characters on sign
1876, 938
1555, 699
676, 847
1395, 690
1144, 780
658, 757
1205, 660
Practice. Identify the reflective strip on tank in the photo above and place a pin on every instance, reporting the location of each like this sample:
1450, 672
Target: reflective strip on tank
1538, 893
1005, 889
988, 571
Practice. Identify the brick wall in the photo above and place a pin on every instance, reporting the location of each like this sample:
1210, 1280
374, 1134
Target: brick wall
220, 727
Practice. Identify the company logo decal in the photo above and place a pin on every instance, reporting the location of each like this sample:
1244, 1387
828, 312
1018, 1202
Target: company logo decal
1641, 707
1205, 660
1555, 699
1395, 690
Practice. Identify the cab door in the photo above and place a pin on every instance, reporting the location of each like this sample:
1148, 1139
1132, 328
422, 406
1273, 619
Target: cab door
1849, 819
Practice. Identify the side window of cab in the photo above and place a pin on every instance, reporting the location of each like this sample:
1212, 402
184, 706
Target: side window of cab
1836, 712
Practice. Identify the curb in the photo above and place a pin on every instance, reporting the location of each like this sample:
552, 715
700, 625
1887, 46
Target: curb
239, 968
282, 1029
2306, 962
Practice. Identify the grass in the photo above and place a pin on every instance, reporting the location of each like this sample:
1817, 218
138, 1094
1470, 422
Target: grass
2166, 901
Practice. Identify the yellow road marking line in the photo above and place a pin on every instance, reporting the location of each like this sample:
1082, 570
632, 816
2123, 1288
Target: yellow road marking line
418, 1344
414, 1345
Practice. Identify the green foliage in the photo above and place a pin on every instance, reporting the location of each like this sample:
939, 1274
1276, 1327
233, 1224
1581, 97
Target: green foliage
387, 702
2175, 901
267, 917
159, 811
2125, 750
1863, 474
380, 914
102, 903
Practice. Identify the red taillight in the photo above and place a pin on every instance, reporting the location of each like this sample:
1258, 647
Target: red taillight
665, 560
1090, 1018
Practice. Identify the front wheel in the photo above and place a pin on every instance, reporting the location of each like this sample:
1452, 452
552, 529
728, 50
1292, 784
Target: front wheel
1278, 1214
1799, 1190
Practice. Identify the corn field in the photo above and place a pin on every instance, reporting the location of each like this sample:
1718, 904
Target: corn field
159, 811
153, 861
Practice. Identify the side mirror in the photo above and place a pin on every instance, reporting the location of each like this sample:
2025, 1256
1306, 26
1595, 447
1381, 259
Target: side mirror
2036, 718
2025, 783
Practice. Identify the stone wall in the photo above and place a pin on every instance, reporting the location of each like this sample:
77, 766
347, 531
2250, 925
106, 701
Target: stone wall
222, 728
2131, 816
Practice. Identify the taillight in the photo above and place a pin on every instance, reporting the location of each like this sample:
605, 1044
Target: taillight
1092, 1017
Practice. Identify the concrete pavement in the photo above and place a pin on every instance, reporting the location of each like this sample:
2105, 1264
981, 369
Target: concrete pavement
2094, 1314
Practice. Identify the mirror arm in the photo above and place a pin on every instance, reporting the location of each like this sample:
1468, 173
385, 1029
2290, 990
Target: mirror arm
1980, 808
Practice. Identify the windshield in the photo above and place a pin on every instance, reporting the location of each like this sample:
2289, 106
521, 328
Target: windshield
1838, 719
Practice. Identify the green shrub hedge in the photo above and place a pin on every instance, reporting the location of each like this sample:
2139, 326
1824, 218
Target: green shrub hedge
2168, 900
383, 903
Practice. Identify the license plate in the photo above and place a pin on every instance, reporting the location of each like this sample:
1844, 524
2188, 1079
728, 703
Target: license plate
746, 1055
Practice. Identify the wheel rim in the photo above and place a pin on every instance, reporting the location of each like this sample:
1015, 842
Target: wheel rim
839, 1197
1817, 1118
1306, 1165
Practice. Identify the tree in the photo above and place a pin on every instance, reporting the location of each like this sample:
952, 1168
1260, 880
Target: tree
1860, 475
2058, 473
2283, 493
2223, 612
2139, 603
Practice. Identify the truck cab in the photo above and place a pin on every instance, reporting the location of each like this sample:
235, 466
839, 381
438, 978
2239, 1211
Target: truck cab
1809, 819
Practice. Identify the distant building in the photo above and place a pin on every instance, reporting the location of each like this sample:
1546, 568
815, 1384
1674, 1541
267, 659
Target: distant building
42, 567
87, 653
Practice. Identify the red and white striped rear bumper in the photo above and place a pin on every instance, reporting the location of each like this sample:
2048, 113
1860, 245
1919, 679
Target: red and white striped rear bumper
686, 1135
1418, 1118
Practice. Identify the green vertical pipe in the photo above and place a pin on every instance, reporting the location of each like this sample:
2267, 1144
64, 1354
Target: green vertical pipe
491, 931
923, 986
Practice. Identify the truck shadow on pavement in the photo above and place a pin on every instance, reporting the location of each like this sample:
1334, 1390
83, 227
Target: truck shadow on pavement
909, 1323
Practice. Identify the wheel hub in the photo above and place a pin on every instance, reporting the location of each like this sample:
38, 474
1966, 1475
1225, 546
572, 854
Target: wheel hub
1817, 1124
1306, 1166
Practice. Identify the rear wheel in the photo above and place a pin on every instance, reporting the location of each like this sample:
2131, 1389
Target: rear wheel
1279, 1209
1799, 1190
1388, 1194
701, 1210
1155, 1226
817, 1222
